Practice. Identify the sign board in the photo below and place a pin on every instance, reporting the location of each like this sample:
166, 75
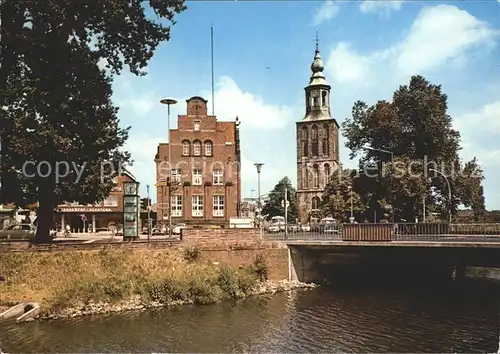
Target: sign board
86, 210
84, 217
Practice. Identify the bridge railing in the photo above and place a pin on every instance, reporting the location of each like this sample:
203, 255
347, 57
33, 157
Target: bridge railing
386, 232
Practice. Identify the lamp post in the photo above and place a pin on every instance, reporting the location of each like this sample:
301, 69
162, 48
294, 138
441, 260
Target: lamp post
149, 214
169, 102
352, 207
259, 165
449, 189
368, 147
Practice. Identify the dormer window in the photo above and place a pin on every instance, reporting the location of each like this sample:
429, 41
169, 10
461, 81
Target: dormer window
196, 125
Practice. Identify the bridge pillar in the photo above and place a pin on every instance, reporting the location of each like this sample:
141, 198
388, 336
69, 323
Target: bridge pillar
303, 265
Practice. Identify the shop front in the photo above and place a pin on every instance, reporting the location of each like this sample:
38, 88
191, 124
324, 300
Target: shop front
88, 219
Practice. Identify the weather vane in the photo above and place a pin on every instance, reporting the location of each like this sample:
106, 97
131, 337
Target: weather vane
317, 40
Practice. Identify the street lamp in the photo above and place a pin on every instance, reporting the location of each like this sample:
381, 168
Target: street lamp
367, 147
169, 102
149, 214
352, 208
449, 188
259, 165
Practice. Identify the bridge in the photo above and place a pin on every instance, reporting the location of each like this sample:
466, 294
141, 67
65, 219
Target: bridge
435, 248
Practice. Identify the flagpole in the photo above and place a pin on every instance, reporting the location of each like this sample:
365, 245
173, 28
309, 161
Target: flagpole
212, 53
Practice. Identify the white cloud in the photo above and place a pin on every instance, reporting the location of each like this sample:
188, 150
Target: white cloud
381, 7
484, 122
439, 35
328, 10
231, 102
126, 96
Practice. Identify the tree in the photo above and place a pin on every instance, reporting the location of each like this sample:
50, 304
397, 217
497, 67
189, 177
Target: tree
415, 127
337, 196
56, 112
274, 206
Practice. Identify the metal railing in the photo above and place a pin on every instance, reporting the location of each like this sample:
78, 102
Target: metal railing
411, 232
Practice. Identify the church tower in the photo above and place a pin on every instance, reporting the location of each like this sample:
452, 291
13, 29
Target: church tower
317, 143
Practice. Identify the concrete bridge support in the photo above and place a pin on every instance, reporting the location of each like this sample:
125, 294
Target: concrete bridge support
304, 265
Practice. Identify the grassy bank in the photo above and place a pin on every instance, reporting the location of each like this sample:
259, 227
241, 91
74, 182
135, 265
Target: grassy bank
59, 280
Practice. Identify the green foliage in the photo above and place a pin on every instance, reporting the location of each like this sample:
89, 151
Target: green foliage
260, 267
57, 108
192, 254
339, 191
416, 127
274, 208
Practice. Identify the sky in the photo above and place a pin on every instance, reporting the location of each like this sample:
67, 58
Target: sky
262, 56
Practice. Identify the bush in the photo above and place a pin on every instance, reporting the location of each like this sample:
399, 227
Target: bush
260, 267
167, 290
192, 254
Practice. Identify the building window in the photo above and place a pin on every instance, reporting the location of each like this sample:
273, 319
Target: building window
305, 183
196, 125
197, 148
323, 98
326, 140
315, 176
327, 173
208, 148
176, 205
197, 204
315, 101
176, 175
314, 139
185, 148
197, 177
315, 203
218, 176
111, 201
218, 205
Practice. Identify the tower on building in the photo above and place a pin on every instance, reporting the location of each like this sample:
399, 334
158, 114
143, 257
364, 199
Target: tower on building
317, 142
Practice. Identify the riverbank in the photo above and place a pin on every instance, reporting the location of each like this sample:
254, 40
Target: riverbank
77, 283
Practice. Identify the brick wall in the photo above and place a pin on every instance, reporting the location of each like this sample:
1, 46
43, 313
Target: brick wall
276, 259
222, 238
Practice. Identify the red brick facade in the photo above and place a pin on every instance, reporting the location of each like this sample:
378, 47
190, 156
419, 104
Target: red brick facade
205, 169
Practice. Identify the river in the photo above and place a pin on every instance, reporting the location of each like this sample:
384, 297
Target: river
348, 316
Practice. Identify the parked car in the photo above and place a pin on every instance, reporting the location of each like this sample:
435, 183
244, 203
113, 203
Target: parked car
176, 230
293, 228
158, 230
305, 227
331, 228
274, 228
19, 232
119, 230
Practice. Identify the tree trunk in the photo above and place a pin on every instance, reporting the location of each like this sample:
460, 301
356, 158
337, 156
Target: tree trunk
45, 219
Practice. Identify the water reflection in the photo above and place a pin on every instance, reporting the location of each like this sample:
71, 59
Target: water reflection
346, 317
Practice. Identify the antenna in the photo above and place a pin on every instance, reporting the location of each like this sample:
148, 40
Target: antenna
212, 54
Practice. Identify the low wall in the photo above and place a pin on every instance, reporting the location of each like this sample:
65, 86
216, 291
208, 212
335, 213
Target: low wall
222, 238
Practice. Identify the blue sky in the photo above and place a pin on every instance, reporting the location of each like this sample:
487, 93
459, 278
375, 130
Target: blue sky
263, 51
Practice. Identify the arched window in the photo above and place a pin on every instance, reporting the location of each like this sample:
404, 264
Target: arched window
326, 140
323, 98
197, 148
327, 173
305, 142
209, 148
316, 176
315, 203
186, 147
314, 138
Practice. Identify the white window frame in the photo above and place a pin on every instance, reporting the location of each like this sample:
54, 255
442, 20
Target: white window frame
175, 175
197, 176
185, 148
197, 148
111, 201
196, 126
218, 176
197, 206
218, 205
176, 205
208, 148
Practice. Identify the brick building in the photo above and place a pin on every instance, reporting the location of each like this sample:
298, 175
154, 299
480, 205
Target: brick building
100, 216
317, 143
205, 181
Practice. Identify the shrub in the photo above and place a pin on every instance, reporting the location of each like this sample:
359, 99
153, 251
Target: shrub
192, 254
228, 282
260, 267
167, 290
